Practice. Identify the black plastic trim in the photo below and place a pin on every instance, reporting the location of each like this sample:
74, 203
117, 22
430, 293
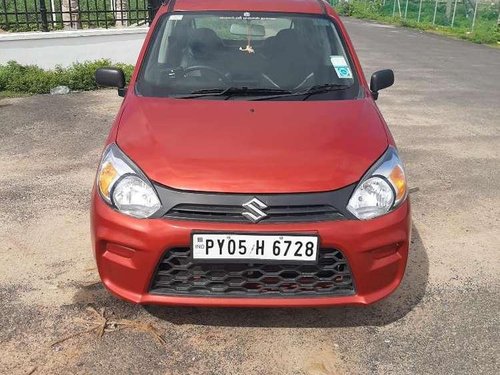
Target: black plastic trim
155, 290
338, 199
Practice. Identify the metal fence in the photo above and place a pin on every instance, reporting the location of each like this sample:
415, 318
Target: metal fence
465, 14
45, 15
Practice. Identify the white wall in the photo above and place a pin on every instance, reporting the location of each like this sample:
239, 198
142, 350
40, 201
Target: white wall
66, 47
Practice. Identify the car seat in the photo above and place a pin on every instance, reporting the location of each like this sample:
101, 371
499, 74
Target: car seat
288, 63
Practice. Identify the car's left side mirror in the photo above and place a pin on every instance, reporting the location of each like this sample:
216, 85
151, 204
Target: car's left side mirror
381, 80
111, 77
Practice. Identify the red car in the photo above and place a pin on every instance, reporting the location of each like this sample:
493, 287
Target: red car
249, 165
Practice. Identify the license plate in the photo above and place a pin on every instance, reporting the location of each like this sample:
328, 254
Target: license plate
262, 247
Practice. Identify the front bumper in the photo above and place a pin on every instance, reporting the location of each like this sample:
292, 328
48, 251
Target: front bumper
128, 250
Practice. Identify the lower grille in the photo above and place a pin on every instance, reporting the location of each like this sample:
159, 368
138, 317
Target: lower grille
177, 274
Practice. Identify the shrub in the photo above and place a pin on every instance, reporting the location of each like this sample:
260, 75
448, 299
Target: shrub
31, 79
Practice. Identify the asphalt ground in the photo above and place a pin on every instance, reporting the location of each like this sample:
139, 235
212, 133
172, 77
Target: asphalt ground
444, 112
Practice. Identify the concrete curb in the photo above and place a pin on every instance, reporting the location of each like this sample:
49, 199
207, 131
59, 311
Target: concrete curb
71, 33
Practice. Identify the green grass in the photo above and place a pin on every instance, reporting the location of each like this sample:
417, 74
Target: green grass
485, 30
16, 79
10, 94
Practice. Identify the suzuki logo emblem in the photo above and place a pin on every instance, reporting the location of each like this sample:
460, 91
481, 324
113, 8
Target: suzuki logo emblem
254, 211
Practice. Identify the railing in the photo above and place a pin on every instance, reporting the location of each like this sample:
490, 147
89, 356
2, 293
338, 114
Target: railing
46, 15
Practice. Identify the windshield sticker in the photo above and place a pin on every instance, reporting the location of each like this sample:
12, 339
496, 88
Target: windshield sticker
343, 72
338, 61
341, 67
249, 18
176, 17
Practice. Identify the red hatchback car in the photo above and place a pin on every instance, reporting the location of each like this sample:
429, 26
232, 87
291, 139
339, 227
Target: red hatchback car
249, 165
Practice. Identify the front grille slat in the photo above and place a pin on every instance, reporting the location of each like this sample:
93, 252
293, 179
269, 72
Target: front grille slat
177, 274
191, 208
226, 213
293, 210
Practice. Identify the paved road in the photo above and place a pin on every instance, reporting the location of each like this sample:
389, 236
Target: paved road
444, 114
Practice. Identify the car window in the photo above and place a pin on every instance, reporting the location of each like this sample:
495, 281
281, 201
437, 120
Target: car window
194, 52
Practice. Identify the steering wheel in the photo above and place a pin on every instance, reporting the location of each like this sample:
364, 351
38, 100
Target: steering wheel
199, 68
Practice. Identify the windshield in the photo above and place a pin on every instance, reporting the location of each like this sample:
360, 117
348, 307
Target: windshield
247, 56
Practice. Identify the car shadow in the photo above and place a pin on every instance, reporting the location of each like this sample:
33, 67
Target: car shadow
396, 306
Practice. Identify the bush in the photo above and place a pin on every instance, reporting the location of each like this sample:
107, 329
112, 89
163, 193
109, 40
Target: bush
485, 34
31, 79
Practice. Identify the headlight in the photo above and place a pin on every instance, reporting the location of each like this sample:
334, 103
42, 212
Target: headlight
124, 187
382, 189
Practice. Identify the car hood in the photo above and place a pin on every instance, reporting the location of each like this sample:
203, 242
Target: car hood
252, 146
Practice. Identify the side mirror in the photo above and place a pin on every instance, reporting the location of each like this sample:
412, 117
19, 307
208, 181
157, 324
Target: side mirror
381, 80
111, 77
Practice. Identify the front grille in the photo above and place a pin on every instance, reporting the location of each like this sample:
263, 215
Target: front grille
229, 207
177, 274
276, 214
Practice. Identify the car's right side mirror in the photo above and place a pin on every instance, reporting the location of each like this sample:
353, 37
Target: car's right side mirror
381, 80
111, 77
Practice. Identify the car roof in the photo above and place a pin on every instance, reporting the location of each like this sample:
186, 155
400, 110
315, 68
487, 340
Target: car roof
291, 6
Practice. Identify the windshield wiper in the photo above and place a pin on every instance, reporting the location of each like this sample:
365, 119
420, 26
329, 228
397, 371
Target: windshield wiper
231, 91
316, 89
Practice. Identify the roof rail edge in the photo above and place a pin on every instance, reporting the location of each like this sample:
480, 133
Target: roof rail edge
323, 6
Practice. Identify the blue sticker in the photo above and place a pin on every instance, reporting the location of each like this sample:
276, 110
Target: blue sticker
341, 66
343, 72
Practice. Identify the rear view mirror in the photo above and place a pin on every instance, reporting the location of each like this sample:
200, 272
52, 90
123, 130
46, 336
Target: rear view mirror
251, 30
111, 77
381, 80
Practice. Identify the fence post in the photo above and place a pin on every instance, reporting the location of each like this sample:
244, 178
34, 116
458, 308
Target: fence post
43, 16
150, 12
454, 11
419, 11
435, 11
53, 12
474, 18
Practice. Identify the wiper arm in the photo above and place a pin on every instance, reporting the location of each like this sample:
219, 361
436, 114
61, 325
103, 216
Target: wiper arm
230, 91
324, 88
316, 89
201, 93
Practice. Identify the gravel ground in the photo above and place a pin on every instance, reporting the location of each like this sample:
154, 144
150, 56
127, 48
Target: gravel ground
444, 114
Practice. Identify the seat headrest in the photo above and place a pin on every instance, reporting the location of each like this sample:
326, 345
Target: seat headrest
286, 36
203, 40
